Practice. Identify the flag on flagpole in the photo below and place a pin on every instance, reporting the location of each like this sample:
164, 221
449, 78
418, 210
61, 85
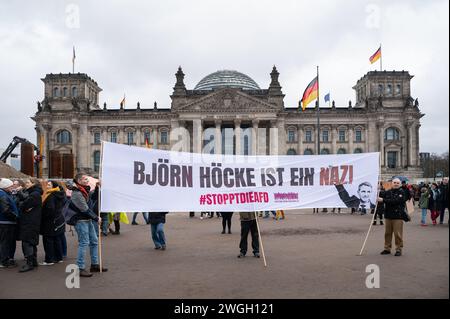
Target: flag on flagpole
147, 144
310, 93
374, 58
327, 97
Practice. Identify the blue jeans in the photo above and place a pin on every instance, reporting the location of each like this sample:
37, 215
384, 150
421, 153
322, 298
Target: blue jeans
105, 222
158, 235
145, 217
424, 215
86, 237
95, 227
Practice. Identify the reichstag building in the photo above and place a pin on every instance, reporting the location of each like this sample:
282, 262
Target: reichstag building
228, 112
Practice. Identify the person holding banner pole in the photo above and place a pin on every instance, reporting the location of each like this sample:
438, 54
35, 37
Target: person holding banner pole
395, 207
249, 224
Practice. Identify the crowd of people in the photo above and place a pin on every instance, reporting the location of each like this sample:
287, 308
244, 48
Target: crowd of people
30, 209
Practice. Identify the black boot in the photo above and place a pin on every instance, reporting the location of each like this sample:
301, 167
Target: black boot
117, 227
28, 266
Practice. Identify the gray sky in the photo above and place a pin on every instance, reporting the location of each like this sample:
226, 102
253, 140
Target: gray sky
135, 47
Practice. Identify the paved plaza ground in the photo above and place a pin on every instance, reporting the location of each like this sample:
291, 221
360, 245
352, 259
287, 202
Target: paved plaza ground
308, 255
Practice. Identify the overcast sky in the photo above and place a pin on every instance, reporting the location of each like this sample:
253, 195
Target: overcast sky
135, 47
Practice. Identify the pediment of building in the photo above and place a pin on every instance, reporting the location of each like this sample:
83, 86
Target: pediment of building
228, 100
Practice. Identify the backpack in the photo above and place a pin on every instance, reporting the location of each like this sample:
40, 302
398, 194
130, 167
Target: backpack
69, 212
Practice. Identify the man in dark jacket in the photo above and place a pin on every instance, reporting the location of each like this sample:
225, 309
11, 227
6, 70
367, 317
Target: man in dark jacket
157, 221
443, 199
8, 221
30, 223
87, 236
248, 224
394, 201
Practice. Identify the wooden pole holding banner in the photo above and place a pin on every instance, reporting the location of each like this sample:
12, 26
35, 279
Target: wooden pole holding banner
260, 240
376, 206
100, 210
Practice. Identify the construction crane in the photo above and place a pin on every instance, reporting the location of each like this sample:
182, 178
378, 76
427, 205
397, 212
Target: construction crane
16, 140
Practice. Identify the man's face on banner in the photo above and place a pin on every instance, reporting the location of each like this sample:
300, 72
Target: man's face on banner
364, 193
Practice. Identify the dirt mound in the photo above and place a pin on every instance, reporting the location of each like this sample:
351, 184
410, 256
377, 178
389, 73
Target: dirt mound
7, 171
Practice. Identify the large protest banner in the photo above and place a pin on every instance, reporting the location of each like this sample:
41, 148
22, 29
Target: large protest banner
136, 179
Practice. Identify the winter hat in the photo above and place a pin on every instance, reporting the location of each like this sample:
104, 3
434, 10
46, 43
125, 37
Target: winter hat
5, 183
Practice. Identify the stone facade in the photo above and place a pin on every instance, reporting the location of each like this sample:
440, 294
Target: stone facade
233, 120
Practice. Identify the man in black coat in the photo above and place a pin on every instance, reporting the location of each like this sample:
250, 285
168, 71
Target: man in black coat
157, 221
443, 199
30, 223
394, 201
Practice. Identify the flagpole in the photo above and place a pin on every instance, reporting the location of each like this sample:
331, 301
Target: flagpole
73, 61
381, 59
260, 240
100, 210
376, 207
318, 114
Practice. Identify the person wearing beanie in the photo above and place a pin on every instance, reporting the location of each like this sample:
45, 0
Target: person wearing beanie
8, 220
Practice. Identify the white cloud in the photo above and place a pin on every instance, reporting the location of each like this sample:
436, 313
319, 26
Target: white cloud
135, 47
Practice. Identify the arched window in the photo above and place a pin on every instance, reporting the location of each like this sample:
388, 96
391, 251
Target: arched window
97, 137
65, 92
291, 151
130, 138
63, 137
96, 161
380, 89
164, 137
291, 136
55, 92
341, 151
391, 134
74, 91
357, 151
398, 89
324, 151
389, 89
325, 136
308, 152
358, 135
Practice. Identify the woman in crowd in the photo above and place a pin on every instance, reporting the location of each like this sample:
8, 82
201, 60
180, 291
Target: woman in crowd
30, 222
423, 205
53, 223
226, 219
433, 203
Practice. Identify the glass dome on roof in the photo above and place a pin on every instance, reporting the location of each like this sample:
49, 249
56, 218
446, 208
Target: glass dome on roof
227, 78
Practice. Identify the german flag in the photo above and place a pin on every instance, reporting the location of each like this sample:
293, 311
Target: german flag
310, 93
375, 56
147, 144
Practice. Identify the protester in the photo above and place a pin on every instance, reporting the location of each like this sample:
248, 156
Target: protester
248, 224
433, 203
84, 227
226, 219
380, 206
334, 210
157, 221
279, 214
30, 222
443, 199
423, 205
145, 215
116, 218
395, 207
53, 223
8, 224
